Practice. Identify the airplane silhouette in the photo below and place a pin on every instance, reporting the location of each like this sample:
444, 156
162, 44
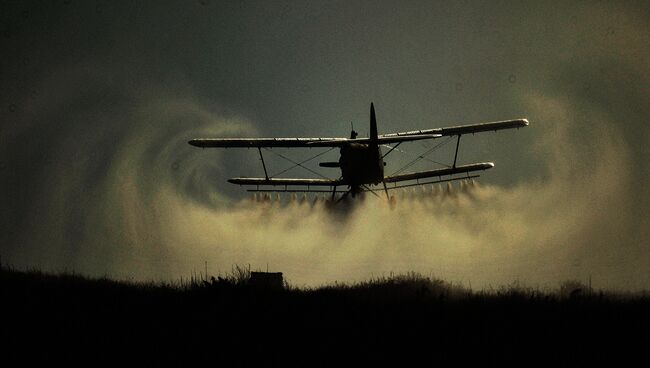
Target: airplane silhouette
361, 160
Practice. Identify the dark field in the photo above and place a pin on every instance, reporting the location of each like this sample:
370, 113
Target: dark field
402, 319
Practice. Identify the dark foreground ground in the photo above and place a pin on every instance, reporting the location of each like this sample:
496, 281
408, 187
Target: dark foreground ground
404, 320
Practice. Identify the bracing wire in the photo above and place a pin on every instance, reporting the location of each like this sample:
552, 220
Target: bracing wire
296, 164
423, 156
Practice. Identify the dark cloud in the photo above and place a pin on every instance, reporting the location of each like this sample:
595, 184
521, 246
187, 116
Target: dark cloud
99, 100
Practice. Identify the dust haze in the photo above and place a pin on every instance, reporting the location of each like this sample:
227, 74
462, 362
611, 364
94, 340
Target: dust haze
99, 179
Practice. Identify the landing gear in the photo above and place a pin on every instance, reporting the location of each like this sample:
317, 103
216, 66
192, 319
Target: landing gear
386, 190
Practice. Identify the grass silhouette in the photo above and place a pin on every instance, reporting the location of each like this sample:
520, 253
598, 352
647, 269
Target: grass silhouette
401, 319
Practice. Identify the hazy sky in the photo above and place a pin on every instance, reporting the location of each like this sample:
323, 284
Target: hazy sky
98, 100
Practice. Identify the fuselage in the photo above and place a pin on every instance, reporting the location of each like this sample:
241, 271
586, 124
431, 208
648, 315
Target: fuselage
361, 164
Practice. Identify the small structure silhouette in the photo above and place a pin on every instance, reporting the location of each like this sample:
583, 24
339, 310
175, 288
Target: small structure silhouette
267, 280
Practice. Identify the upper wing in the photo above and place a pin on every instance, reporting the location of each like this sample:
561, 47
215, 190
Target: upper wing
337, 142
259, 142
465, 129
380, 140
303, 142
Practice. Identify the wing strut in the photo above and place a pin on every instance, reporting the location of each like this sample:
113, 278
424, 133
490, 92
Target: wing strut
263, 164
456, 154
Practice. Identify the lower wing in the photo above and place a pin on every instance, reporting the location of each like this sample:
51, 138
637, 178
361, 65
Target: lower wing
463, 169
286, 181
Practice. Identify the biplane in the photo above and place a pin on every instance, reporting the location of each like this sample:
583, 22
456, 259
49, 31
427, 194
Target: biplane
361, 161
